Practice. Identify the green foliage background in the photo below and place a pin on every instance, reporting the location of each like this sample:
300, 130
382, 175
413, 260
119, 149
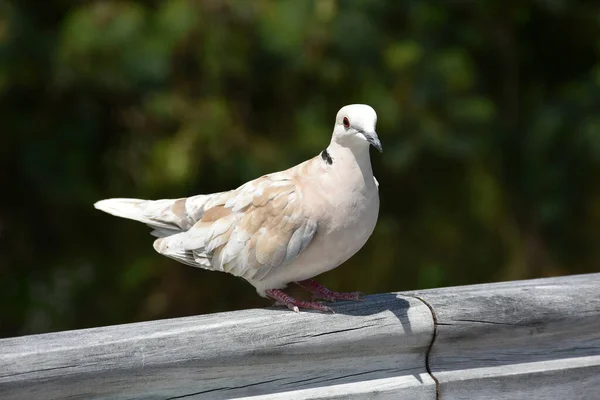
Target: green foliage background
489, 113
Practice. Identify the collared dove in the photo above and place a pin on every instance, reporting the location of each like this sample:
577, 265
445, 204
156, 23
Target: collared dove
283, 227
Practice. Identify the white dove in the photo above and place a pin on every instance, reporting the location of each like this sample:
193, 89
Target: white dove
283, 227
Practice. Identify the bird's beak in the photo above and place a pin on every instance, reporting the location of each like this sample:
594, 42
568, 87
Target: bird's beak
374, 140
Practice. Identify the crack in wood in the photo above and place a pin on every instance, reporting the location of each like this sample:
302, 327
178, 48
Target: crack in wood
341, 330
356, 374
193, 394
289, 343
254, 384
428, 352
39, 370
479, 321
303, 380
224, 388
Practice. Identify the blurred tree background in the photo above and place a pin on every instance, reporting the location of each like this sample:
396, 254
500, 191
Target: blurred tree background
489, 113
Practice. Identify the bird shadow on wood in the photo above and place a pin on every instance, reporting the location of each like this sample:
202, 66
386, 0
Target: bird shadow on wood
375, 304
370, 305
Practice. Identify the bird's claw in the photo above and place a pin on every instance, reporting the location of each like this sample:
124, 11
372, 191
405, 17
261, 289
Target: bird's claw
283, 299
321, 292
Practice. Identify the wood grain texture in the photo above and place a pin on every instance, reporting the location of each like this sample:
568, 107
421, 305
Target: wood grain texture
535, 339
372, 348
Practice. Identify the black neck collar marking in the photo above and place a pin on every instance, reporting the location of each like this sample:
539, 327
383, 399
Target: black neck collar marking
325, 156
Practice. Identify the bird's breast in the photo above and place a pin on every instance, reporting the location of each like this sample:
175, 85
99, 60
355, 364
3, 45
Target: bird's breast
346, 210
349, 217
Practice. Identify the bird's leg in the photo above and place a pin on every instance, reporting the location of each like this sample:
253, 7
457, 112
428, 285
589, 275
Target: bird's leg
321, 292
293, 304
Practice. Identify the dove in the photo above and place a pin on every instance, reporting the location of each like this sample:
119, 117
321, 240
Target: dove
281, 228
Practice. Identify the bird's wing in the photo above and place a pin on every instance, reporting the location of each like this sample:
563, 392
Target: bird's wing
248, 231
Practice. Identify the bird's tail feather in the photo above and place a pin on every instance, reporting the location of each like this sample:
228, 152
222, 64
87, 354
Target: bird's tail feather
146, 211
166, 217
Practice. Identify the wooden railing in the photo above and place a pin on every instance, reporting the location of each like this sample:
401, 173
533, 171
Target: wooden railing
536, 339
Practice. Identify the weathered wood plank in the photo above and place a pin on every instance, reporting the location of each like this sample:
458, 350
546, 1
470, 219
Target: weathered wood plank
536, 339
377, 346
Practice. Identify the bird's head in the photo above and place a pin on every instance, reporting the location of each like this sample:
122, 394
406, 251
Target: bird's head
355, 125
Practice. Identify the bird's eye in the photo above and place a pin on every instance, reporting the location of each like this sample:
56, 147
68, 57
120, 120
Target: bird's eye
346, 122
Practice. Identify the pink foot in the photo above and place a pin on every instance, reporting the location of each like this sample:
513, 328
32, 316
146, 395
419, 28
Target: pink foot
293, 304
321, 292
